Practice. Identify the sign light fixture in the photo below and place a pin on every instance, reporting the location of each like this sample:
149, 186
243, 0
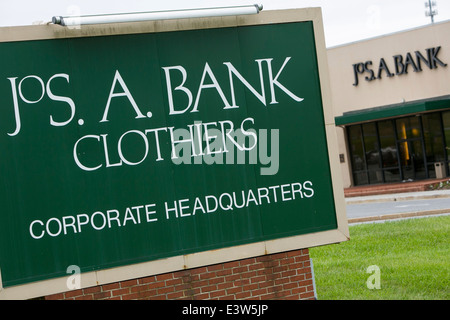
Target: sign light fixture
157, 15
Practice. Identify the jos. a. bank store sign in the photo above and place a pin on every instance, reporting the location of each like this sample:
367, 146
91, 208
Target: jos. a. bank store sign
125, 149
398, 65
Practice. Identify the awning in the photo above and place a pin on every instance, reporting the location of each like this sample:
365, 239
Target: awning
398, 110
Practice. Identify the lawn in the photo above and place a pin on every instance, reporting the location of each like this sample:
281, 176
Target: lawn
411, 259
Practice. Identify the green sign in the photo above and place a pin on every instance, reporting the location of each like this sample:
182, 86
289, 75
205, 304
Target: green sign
122, 149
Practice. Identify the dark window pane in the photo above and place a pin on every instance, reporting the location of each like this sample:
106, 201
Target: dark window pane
375, 176
356, 148
387, 144
360, 178
446, 122
432, 132
371, 146
392, 175
408, 128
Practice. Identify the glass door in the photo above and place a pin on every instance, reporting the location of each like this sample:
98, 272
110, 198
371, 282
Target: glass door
412, 159
410, 147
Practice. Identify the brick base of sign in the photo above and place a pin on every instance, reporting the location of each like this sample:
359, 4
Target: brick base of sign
278, 276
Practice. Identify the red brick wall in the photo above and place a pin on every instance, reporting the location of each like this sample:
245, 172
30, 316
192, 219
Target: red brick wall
278, 276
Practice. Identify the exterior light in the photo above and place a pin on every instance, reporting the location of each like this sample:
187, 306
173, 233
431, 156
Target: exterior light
157, 15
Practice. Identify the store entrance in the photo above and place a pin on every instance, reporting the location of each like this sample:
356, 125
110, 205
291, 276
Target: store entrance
407, 148
412, 159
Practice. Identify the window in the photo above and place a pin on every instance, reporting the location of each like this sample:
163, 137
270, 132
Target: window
408, 128
401, 149
357, 155
434, 141
388, 150
372, 151
446, 122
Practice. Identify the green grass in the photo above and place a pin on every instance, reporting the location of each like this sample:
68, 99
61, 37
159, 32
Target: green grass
413, 257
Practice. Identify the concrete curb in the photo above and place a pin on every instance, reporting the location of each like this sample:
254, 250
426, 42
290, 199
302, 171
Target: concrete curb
398, 216
399, 197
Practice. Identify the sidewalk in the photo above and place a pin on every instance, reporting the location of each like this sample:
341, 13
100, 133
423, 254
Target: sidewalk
399, 196
389, 188
396, 192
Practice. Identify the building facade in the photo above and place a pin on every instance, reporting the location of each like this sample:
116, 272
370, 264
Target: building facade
391, 98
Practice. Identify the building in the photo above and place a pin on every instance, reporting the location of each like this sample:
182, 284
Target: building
391, 99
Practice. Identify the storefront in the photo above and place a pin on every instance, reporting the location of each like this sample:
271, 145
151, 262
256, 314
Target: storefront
391, 98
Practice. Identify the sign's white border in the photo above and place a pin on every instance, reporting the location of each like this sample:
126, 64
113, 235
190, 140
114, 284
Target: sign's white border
105, 276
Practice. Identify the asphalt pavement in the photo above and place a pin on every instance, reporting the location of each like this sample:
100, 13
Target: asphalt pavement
397, 206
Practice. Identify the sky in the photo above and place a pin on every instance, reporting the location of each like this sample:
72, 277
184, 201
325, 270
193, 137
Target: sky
344, 20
